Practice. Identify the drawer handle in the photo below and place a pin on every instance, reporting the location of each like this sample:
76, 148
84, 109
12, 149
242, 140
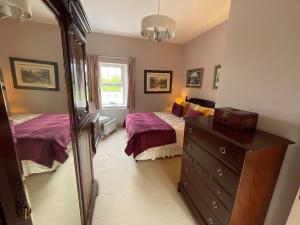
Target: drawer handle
223, 150
214, 204
190, 130
219, 191
220, 172
185, 184
210, 221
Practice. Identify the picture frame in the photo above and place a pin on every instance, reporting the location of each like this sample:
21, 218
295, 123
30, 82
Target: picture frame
194, 78
217, 75
157, 81
34, 74
1, 79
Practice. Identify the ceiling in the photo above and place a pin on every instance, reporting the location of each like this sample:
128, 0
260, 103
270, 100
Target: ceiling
123, 17
40, 13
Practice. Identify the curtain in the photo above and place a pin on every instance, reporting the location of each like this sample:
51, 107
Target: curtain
93, 80
131, 88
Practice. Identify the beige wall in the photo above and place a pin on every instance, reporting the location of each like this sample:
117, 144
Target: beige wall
33, 41
149, 55
42, 42
261, 73
204, 51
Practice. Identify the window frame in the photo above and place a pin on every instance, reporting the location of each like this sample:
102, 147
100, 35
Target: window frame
123, 83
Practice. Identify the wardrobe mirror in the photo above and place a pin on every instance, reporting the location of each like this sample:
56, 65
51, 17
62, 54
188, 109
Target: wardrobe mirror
32, 71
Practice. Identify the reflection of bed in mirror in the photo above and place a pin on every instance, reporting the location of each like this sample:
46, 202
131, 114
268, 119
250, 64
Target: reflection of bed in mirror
43, 141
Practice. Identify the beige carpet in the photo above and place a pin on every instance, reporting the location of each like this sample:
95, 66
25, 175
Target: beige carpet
53, 196
143, 193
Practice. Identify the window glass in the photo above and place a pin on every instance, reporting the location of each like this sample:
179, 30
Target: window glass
112, 84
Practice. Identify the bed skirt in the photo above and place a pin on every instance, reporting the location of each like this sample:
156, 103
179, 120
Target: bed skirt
160, 152
30, 167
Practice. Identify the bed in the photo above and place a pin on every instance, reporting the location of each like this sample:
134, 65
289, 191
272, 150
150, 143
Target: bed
43, 141
153, 135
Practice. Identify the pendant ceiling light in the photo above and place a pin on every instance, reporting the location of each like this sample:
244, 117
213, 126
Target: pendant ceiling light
16, 9
158, 27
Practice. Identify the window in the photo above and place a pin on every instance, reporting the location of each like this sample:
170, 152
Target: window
113, 84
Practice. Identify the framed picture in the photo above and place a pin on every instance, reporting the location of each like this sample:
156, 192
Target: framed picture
194, 78
217, 76
1, 79
34, 74
158, 81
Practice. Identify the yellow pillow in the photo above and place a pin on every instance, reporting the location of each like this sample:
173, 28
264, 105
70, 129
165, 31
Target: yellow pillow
179, 100
203, 110
193, 106
211, 112
185, 107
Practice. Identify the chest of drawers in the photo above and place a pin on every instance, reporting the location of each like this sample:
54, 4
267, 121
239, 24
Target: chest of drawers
228, 177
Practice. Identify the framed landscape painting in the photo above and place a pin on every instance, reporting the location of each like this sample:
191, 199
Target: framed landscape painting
158, 81
217, 76
34, 74
194, 78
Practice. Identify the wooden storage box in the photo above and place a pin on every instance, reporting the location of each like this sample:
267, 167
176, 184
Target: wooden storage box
235, 118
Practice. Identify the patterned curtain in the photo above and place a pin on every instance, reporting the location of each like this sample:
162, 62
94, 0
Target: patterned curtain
131, 88
93, 80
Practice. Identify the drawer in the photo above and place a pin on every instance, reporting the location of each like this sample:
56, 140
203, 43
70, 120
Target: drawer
215, 169
214, 204
186, 159
187, 164
200, 204
198, 173
184, 192
228, 153
226, 198
187, 145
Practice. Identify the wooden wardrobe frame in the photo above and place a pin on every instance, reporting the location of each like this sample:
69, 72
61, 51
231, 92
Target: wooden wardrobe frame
72, 18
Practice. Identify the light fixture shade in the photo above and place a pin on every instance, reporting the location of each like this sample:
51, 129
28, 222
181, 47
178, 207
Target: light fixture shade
158, 27
17, 9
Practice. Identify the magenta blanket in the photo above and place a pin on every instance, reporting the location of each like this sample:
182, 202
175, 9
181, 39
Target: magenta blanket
146, 130
44, 139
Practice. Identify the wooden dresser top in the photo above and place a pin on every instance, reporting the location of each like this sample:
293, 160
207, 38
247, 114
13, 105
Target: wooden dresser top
249, 141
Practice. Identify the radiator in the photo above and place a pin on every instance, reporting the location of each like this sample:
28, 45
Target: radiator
109, 126
118, 114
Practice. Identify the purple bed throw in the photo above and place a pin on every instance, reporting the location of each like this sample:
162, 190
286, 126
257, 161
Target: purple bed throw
146, 130
44, 139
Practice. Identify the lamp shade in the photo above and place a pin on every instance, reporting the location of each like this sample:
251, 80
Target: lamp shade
158, 27
18, 9
179, 100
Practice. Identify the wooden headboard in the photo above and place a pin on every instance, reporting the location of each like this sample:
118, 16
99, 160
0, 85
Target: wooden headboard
202, 102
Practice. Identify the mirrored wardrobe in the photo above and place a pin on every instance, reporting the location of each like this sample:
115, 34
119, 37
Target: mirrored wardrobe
44, 101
